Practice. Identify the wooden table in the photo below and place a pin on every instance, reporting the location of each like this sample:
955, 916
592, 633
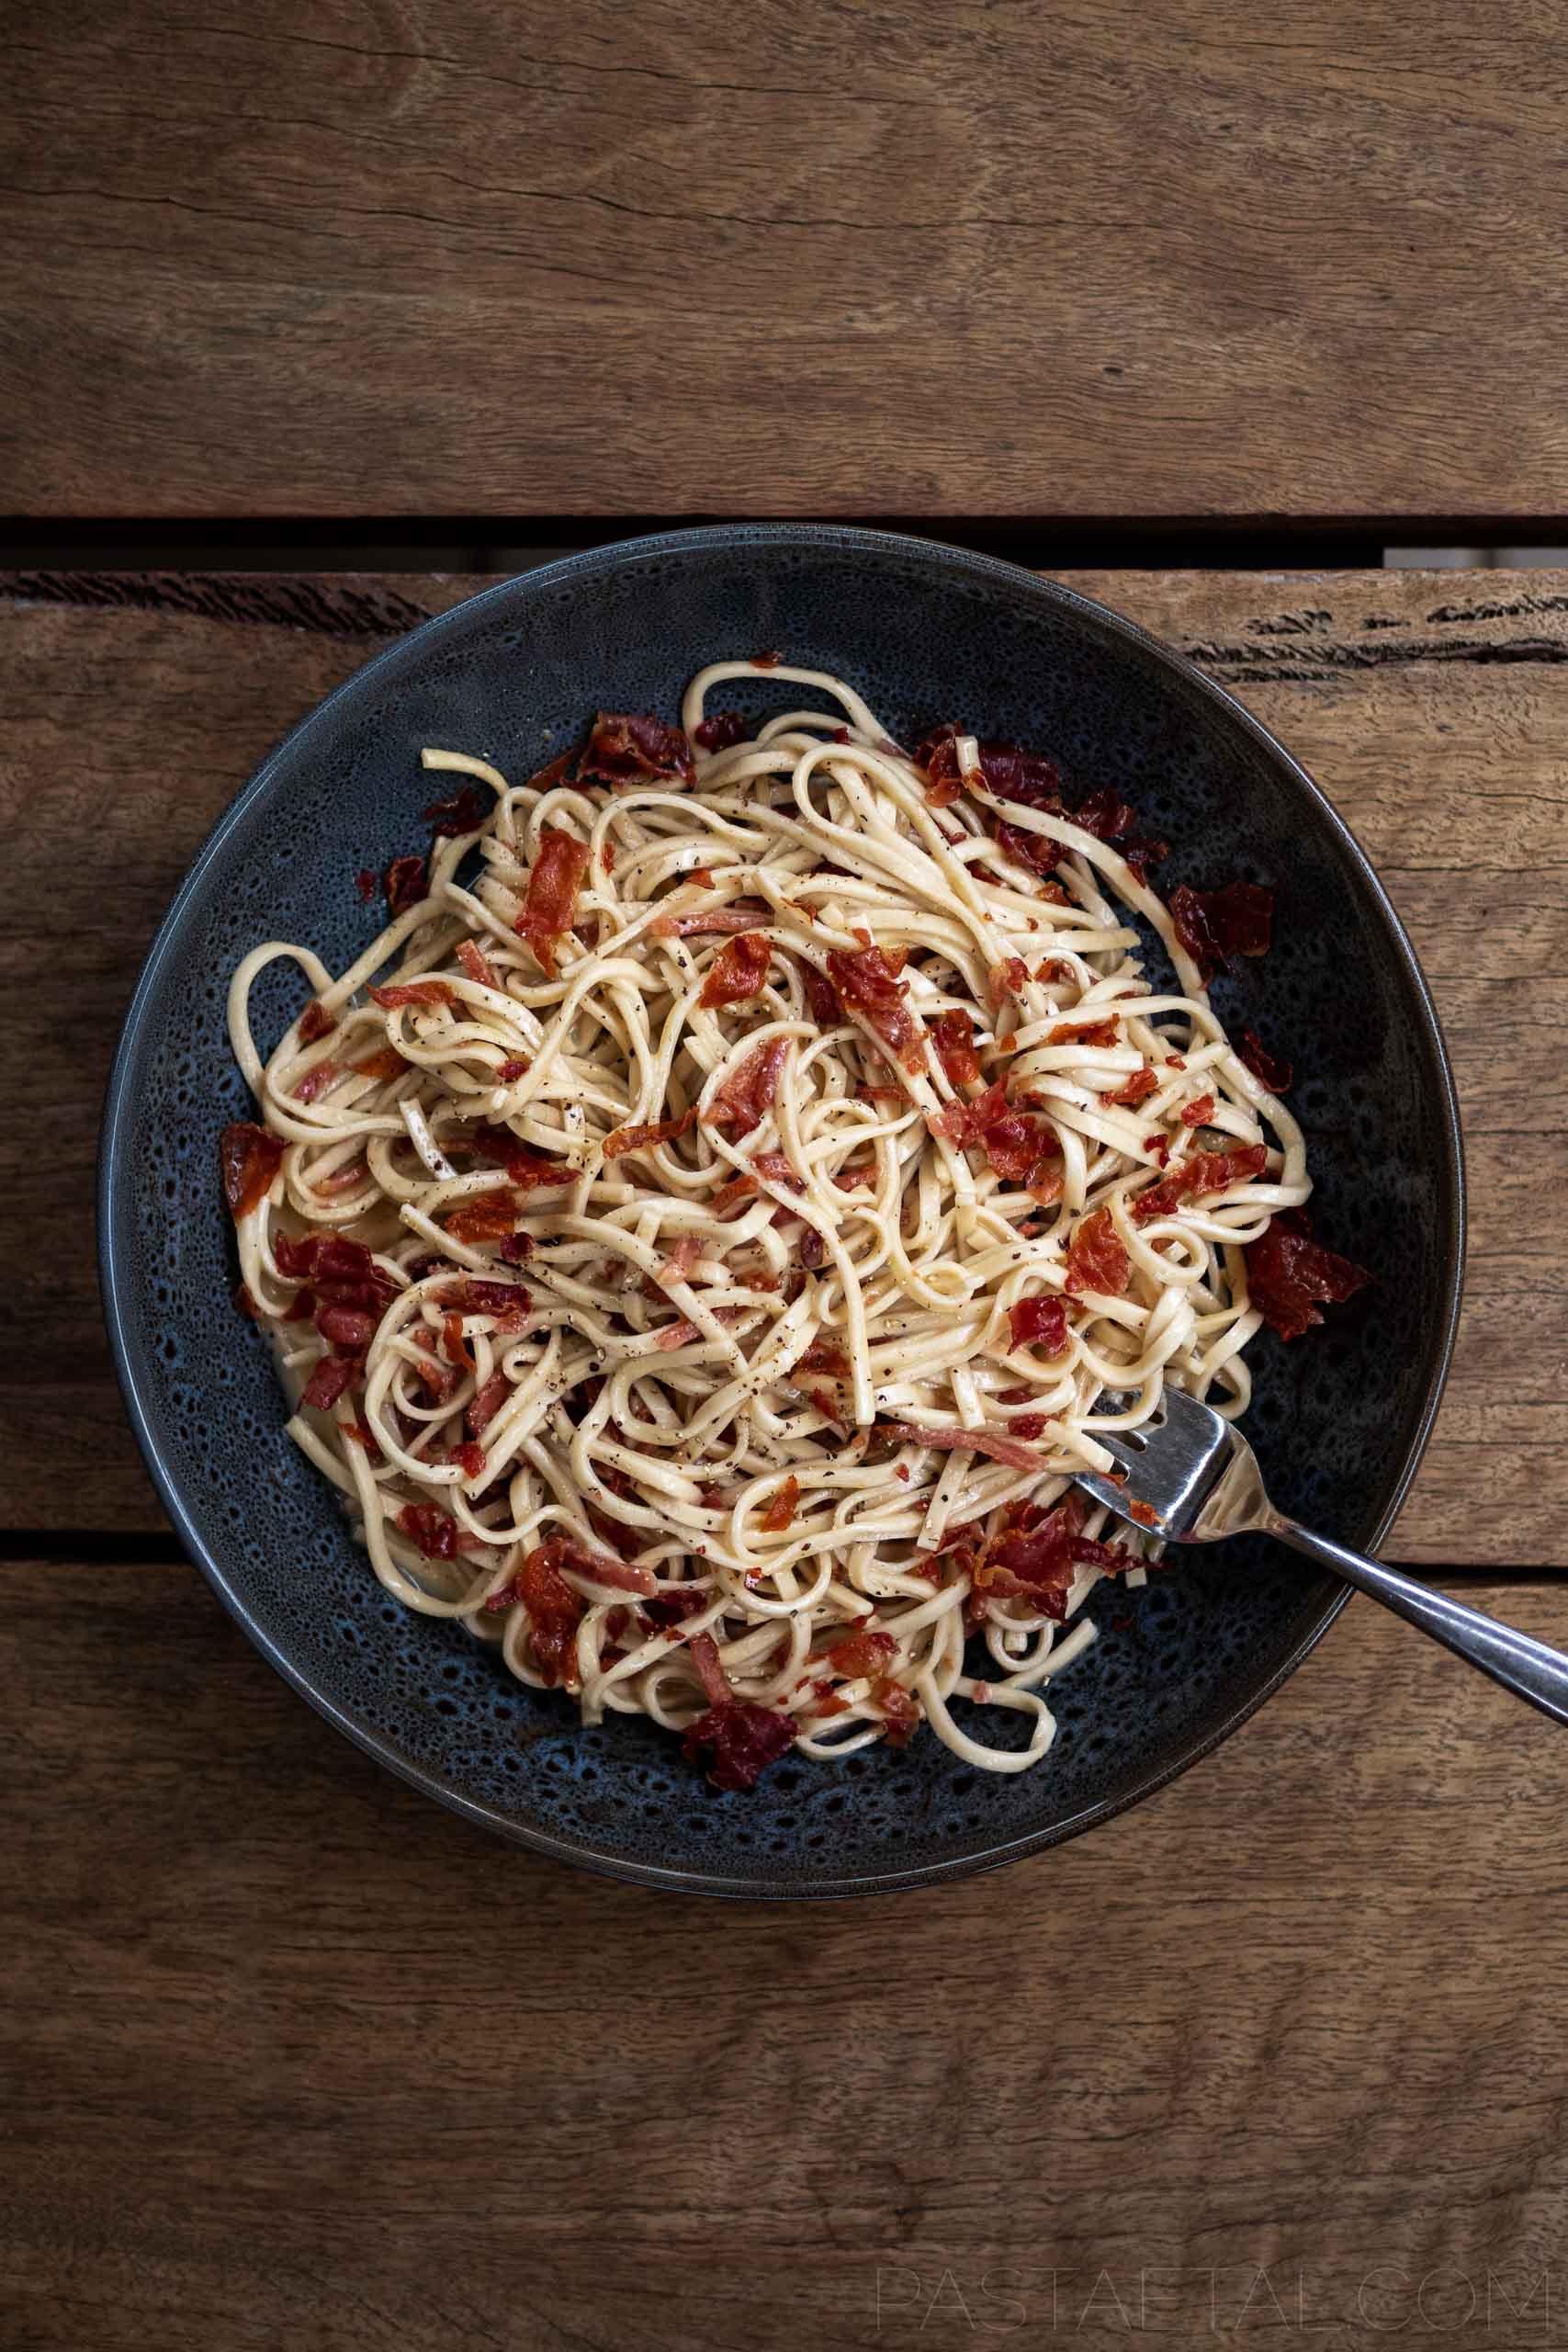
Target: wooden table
276, 2022
290, 2058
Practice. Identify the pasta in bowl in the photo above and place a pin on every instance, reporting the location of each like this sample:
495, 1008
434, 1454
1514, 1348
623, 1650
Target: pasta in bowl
703, 1233
482, 1706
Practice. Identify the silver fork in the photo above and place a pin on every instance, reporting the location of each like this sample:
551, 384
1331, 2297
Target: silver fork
1198, 1479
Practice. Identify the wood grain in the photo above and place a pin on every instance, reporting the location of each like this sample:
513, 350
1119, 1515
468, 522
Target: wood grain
1433, 708
469, 257
295, 2058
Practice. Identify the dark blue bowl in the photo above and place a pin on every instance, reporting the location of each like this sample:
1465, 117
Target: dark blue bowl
926, 632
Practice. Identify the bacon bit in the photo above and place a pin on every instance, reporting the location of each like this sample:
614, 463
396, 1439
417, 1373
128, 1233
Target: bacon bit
862, 1653
821, 996
487, 1217
1040, 851
317, 1079
348, 1329
551, 900
782, 1507
813, 1251
749, 1091
470, 1459
1200, 1174
738, 971
250, 1157
365, 883
738, 1741
1134, 1090
472, 959
827, 1403
675, 1335
856, 1173
515, 1066
1036, 1556
454, 1346
486, 1402
1161, 1147
701, 875
954, 1036
1199, 1111
524, 1166
625, 746
1097, 1259
1040, 1320
406, 884
1006, 979
413, 992
1082, 1032
607, 857
616, 1622
1145, 1513
1111, 820
465, 813
363, 1435
865, 982
1018, 1149
439, 1377
627, 1139
516, 1249
315, 1021
704, 1653
331, 1375
1287, 1271
388, 1063
998, 1445
766, 660
332, 1256
1274, 1076
825, 1700
730, 1197
555, 1611
1006, 770
1214, 925
666, 1609
719, 733
899, 1707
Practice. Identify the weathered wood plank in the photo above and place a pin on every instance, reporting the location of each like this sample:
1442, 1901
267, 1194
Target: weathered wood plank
294, 2057
1433, 709
462, 257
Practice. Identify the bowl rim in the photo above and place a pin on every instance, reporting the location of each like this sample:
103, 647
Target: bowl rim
114, 1201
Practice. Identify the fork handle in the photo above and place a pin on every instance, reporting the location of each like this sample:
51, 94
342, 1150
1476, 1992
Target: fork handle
1516, 1660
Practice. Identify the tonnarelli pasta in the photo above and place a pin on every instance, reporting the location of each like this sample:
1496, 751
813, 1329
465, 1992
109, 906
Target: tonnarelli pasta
703, 1240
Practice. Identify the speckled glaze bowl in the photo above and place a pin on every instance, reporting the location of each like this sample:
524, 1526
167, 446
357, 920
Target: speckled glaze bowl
927, 633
